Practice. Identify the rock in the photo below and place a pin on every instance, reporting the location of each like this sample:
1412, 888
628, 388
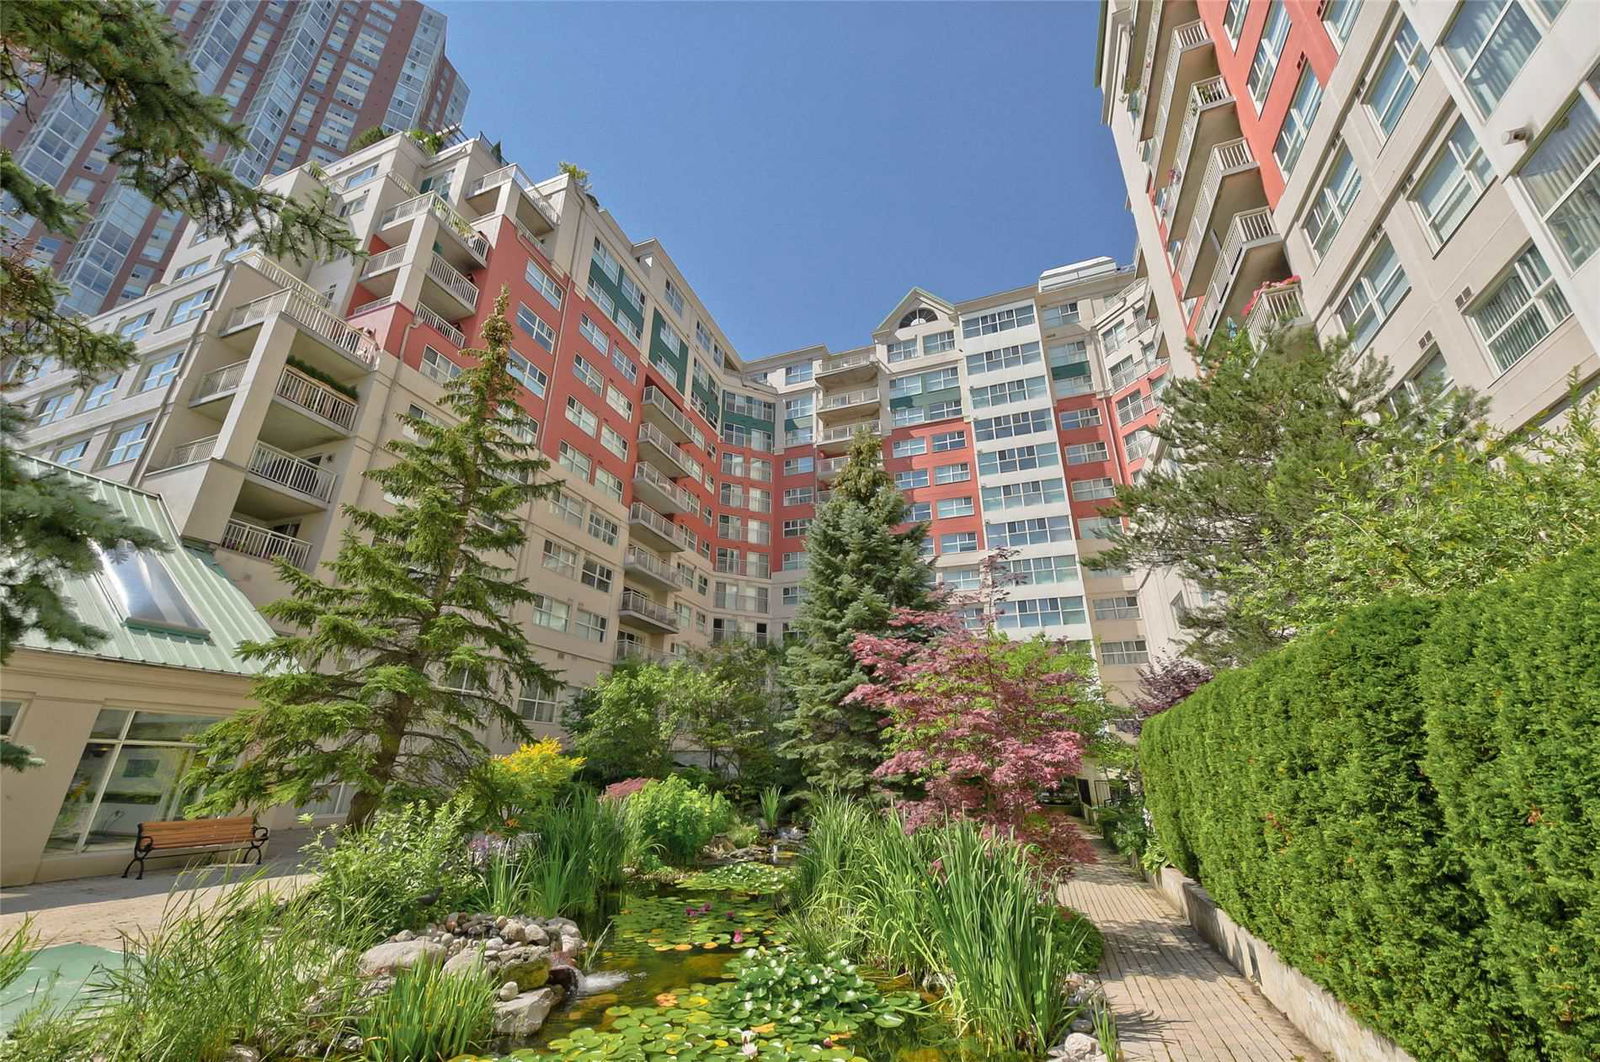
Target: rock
529, 970
1080, 1025
403, 935
523, 1015
1077, 1047
399, 955
512, 931
533, 933
497, 941
241, 1053
557, 926
566, 976
571, 943
507, 992
466, 961
375, 987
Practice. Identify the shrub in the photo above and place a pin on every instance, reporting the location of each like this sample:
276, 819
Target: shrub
676, 818
508, 791
1402, 803
384, 869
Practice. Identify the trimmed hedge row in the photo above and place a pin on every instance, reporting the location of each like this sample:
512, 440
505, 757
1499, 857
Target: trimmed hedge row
1406, 805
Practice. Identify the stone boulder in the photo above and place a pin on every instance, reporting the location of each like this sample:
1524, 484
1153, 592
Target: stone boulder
466, 961
528, 966
1078, 1047
399, 955
524, 1015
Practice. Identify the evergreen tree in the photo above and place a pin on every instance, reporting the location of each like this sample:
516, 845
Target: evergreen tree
422, 606
1253, 440
123, 55
862, 571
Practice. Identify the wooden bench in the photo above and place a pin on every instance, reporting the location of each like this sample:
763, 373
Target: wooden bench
196, 835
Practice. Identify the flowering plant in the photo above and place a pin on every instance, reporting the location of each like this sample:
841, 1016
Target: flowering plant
507, 788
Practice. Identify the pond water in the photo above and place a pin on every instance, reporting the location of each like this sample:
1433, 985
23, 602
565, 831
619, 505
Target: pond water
55, 975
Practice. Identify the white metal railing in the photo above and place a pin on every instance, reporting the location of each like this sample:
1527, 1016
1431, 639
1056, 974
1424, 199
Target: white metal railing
1247, 228
649, 433
274, 272
301, 390
436, 321
295, 473
384, 261
1190, 35
217, 381
639, 605
644, 474
432, 202
1275, 308
352, 342
848, 431
449, 277
375, 304
514, 174
268, 545
640, 513
831, 465
655, 398
639, 558
851, 398
1226, 158
847, 361
633, 651
1203, 95
194, 450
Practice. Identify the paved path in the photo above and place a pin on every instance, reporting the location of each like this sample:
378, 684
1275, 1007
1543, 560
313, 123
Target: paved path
1176, 1000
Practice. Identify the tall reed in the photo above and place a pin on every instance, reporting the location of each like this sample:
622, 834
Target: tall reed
428, 1016
568, 863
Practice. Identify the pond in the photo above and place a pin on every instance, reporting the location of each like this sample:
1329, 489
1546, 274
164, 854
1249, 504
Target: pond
55, 975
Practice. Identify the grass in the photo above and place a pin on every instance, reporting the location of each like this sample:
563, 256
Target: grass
771, 807
428, 1016
570, 862
16, 952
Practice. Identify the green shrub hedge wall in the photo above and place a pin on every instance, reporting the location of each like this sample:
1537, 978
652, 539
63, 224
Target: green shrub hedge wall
1406, 805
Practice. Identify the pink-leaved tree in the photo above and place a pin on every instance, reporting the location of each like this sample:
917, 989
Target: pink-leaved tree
979, 725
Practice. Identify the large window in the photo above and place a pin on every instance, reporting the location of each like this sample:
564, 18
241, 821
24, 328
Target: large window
1339, 16
1489, 42
1523, 308
130, 772
1265, 62
1297, 123
1039, 612
1404, 60
1380, 286
1452, 183
1563, 177
1331, 202
1233, 18
146, 592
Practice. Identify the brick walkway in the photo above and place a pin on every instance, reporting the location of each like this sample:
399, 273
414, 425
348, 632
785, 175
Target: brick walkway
1176, 1000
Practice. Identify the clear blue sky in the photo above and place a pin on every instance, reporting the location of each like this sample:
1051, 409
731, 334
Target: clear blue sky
807, 163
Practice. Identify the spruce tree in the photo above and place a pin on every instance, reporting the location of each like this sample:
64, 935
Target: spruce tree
422, 605
862, 569
166, 138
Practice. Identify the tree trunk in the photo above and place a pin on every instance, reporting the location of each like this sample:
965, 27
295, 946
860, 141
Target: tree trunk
366, 803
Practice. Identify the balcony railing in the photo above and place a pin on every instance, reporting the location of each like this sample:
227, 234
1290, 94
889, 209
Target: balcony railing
831, 465
440, 325
640, 559
634, 651
219, 381
1226, 158
649, 433
642, 514
848, 431
448, 277
514, 174
851, 398
1203, 95
1246, 230
432, 202
847, 361
294, 473
645, 475
639, 605
189, 452
1187, 36
268, 545
1273, 309
300, 390
383, 261
351, 342
656, 399
281, 276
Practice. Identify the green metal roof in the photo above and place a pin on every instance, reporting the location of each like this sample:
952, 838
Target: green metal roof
224, 611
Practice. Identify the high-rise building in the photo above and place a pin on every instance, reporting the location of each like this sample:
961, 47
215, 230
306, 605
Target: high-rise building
303, 77
265, 392
1421, 177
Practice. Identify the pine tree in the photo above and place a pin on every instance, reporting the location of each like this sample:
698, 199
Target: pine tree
862, 570
123, 55
421, 606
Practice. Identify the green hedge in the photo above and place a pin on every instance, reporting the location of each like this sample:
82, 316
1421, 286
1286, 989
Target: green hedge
1406, 805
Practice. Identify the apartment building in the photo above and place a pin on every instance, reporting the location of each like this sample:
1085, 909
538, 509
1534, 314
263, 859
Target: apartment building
266, 390
302, 77
1419, 176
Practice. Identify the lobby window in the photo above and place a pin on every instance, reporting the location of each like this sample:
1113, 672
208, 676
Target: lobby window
1563, 176
1489, 42
1405, 60
1452, 183
1520, 310
1264, 64
1380, 286
1297, 122
1331, 202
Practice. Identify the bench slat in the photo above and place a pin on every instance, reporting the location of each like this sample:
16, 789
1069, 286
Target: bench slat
198, 832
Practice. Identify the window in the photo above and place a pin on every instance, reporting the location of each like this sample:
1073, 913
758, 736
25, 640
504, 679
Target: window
592, 332
1030, 571
793, 595
1003, 358
1138, 444
675, 297
146, 592
625, 365
1010, 391
1396, 79
575, 461
957, 473
1009, 424
128, 443
1340, 17
761, 469
563, 560
53, 408
916, 477
796, 528
71, 455
998, 321
159, 373
435, 366
1019, 495
1297, 123
1453, 182
361, 176
796, 466
945, 441
1265, 62
1098, 527
1018, 459
938, 342
944, 410
1072, 419
910, 447
1127, 652
1038, 612
1563, 177
612, 440
1488, 42
1085, 453
798, 496
191, 270
904, 350
531, 376
1030, 532
1065, 314
799, 373
619, 402
796, 562
1123, 606
591, 376
597, 575
1331, 202
1132, 406
568, 507
1520, 310
532, 324
1233, 19
961, 578
959, 542
1093, 489
606, 530
919, 512
548, 612
1425, 383
189, 307
134, 328
1377, 290
584, 418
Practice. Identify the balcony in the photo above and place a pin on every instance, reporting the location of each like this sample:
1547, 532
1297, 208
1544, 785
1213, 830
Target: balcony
1231, 183
850, 402
190, 452
394, 221
840, 438
635, 651
656, 529
646, 567
1189, 56
1274, 309
280, 276
452, 284
652, 441
861, 367
529, 209
1209, 118
1251, 253
660, 410
352, 347
829, 467
301, 481
305, 411
652, 487
640, 611
259, 542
